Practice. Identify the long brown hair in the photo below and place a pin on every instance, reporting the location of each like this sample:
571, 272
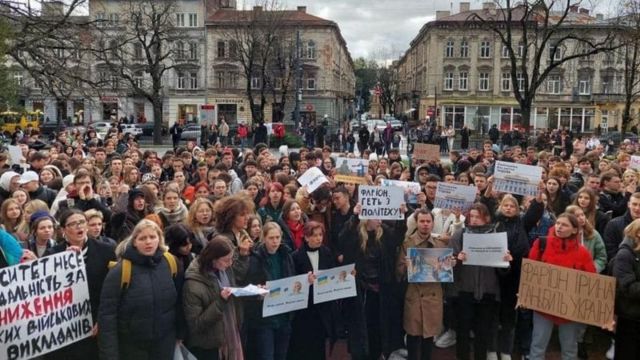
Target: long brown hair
218, 247
587, 229
227, 208
590, 212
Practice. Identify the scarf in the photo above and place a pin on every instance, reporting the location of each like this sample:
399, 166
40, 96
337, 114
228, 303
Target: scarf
175, 216
297, 233
232, 349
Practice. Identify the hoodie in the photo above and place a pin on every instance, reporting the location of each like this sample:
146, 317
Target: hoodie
5, 184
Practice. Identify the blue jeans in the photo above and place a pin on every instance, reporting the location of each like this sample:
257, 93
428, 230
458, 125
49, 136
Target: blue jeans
272, 344
542, 329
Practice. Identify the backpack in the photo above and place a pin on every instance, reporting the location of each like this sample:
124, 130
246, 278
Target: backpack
542, 245
125, 278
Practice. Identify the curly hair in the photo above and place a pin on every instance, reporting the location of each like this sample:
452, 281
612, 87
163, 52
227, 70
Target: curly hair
228, 208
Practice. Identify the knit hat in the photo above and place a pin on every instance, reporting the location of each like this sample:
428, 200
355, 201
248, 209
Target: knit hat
134, 193
38, 215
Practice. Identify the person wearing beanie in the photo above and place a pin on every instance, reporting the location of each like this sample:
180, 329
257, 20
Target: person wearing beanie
122, 223
41, 232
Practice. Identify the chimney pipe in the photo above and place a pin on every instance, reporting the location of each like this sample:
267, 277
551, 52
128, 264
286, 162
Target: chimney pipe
465, 6
257, 8
488, 5
599, 17
302, 9
440, 14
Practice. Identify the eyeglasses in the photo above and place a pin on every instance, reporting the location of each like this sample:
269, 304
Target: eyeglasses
77, 224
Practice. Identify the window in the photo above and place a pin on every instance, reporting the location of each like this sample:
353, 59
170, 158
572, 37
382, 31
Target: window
114, 19
138, 78
554, 83
180, 20
463, 83
193, 80
193, 51
464, 49
520, 78
485, 49
505, 52
311, 83
520, 49
221, 49
100, 18
506, 82
448, 50
137, 51
233, 80
311, 50
555, 52
609, 57
58, 52
233, 49
18, 78
448, 81
221, 79
113, 49
114, 81
179, 50
256, 83
181, 81
193, 20
584, 85
483, 84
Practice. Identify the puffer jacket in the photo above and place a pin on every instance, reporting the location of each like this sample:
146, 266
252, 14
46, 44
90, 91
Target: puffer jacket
145, 313
204, 307
626, 270
567, 253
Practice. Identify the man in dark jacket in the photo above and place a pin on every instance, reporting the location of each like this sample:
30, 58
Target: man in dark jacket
494, 134
83, 197
614, 231
123, 223
613, 197
260, 134
30, 181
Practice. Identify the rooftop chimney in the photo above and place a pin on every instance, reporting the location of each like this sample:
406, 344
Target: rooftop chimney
302, 9
465, 6
488, 5
257, 8
599, 17
584, 11
442, 14
53, 8
573, 8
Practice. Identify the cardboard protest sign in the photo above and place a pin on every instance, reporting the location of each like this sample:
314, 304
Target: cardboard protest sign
454, 196
426, 152
411, 189
635, 162
313, 178
430, 265
44, 306
574, 295
351, 170
333, 284
485, 249
381, 203
517, 178
285, 295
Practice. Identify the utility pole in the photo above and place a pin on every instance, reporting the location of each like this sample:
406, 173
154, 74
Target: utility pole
296, 111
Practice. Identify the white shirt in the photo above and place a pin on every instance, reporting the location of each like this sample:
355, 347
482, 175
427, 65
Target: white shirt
314, 257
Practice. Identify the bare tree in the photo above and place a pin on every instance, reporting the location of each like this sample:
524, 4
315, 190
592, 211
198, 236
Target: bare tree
139, 53
388, 82
538, 37
629, 20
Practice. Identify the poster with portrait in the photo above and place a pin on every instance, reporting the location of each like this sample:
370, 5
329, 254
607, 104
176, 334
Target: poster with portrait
454, 196
411, 189
285, 295
352, 171
430, 265
333, 284
515, 178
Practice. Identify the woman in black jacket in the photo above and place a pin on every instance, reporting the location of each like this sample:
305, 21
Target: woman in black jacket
312, 326
626, 269
270, 260
139, 320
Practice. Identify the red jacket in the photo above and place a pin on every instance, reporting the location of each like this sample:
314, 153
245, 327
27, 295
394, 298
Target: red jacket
571, 254
242, 131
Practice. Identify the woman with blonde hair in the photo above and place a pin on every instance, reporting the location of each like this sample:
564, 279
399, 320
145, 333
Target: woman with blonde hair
630, 177
201, 221
131, 176
22, 231
129, 327
626, 270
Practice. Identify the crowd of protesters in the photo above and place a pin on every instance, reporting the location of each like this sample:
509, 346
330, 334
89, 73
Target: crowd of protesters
229, 216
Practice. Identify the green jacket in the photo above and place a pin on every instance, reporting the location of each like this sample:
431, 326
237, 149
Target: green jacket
598, 252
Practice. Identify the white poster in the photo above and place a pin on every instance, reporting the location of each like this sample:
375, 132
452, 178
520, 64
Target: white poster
381, 203
16, 155
411, 189
351, 170
517, 178
312, 178
44, 306
333, 284
454, 196
635, 162
485, 249
285, 295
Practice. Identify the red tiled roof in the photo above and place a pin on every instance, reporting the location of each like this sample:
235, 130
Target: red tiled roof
225, 16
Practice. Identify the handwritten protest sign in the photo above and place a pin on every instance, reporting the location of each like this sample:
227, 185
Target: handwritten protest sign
574, 295
429, 265
426, 151
333, 284
351, 170
411, 189
44, 306
635, 162
312, 178
382, 203
485, 249
285, 295
517, 178
454, 196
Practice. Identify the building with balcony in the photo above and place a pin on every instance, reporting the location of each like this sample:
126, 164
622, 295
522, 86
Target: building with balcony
459, 72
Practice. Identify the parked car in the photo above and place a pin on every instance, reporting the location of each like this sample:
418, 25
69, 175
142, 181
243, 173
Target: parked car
396, 124
132, 129
615, 138
101, 128
147, 129
191, 132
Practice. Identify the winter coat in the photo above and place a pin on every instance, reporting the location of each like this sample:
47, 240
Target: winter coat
45, 194
204, 307
626, 270
269, 213
140, 320
423, 302
614, 233
616, 202
10, 249
84, 205
567, 253
595, 246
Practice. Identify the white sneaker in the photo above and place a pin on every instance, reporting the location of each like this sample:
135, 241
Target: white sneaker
446, 340
611, 353
505, 357
492, 355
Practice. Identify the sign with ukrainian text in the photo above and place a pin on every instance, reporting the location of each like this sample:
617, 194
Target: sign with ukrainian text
334, 284
381, 202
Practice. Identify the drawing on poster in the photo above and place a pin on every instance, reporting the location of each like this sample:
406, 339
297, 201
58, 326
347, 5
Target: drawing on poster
351, 170
411, 189
430, 265
517, 178
454, 196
